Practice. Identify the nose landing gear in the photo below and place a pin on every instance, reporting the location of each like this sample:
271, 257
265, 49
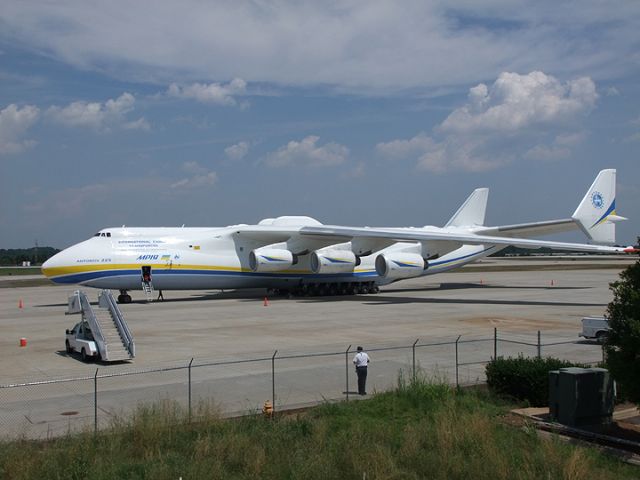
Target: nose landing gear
124, 297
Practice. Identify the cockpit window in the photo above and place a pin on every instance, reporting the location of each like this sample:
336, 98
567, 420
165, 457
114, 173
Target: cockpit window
103, 234
97, 234
108, 234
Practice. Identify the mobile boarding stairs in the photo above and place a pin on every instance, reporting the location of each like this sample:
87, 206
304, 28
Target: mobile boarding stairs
110, 331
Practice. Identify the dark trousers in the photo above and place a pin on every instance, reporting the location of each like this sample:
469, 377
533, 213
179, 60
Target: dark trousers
362, 380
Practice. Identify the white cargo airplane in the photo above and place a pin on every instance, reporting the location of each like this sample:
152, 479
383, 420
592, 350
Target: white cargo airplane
300, 255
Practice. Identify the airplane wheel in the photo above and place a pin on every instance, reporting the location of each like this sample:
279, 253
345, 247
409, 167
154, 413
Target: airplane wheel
67, 346
375, 289
124, 299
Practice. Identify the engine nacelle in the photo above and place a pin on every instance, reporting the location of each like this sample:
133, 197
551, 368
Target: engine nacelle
270, 259
332, 261
396, 265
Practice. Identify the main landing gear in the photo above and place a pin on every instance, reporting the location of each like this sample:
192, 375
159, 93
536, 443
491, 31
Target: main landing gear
124, 297
329, 289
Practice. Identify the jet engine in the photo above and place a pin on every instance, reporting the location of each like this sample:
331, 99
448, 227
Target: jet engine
332, 261
270, 259
396, 265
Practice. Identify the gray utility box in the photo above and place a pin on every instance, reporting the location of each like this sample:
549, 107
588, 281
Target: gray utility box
580, 396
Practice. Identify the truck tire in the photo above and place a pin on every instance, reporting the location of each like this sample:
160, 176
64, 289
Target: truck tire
85, 357
601, 337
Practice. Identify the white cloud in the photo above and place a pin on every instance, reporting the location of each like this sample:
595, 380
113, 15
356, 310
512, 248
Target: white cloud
200, 177
460, 153
237, 151
558, 150
397, 149
611, 92
518, 101
14, 123
307, 153
453, 152
139, 124
98, 116
498, 124
214, 93
358, 171
355, 45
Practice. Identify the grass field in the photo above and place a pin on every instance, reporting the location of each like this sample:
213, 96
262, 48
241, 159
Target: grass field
17, 271
419, 431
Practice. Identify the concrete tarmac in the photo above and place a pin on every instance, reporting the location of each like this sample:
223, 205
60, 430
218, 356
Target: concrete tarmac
214, 327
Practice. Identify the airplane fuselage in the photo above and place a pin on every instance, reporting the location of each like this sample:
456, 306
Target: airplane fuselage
208, 258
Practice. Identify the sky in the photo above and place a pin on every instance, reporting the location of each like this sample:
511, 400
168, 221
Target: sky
379, 113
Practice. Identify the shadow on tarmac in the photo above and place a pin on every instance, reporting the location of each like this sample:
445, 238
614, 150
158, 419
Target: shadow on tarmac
381, 299
253, 295
77, 357
461, 286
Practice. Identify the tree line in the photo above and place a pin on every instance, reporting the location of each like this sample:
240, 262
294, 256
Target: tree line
35, 255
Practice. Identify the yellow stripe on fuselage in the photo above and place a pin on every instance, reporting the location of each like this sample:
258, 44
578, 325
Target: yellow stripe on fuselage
73, 269
53, 272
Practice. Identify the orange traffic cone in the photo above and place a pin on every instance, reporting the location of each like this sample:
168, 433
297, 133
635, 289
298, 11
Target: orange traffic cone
20, 304
266, 302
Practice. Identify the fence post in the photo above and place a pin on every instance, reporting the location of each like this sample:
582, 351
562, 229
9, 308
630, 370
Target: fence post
95, 402
273, 380
495, 342
414, 359
346, 371
457, 340
539, 346
190, 389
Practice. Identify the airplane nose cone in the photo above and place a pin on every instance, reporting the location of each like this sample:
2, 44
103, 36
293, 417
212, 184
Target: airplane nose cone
50, 267
47, 264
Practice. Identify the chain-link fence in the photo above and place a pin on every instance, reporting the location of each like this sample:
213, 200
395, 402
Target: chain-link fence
235, 386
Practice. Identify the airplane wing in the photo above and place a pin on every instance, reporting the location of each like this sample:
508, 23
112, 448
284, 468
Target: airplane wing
420, 235
530, 229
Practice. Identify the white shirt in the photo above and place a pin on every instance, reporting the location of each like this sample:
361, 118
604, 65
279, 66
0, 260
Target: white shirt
361, 359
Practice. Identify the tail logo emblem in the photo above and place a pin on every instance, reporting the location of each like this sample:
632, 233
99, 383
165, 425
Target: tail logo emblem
597, 200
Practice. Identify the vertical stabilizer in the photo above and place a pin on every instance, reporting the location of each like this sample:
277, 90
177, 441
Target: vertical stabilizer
471, 212
596, 214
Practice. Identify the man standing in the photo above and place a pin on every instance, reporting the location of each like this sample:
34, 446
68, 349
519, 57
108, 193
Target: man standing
361, 360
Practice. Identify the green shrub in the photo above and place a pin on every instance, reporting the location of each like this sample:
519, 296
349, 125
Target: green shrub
523, 378
622, 346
